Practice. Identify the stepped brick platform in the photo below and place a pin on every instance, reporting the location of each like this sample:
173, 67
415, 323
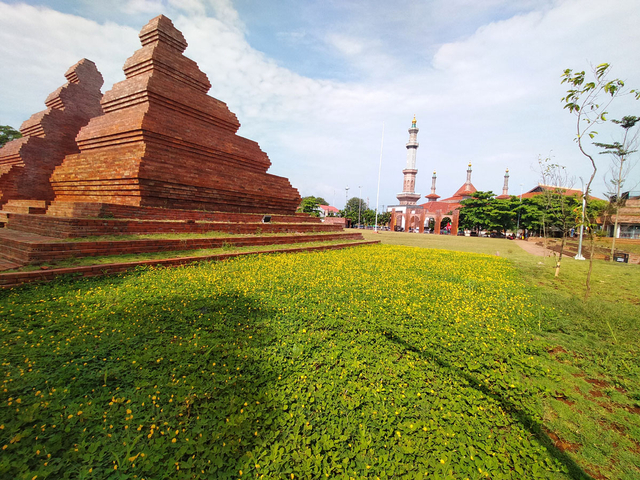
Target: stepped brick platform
599, 253
48, 136
103, 210
155, 154
163, 142
29, 249
59, 227
14, 279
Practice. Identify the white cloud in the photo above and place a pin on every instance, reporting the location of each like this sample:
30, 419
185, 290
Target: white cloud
141, 6
491, 97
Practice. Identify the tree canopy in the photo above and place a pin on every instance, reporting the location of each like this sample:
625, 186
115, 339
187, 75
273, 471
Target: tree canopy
309, 205
485, 212
7, 134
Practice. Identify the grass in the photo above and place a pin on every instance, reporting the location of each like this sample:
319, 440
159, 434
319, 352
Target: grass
375, 362
594, 345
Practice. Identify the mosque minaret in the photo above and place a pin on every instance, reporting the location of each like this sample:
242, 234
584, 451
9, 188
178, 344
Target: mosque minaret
408, 195
505, 187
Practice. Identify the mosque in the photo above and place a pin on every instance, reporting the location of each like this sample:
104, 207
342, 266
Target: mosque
409, 216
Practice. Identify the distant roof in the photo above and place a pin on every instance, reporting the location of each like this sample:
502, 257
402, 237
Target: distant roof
433, 207
328, 208
569, 192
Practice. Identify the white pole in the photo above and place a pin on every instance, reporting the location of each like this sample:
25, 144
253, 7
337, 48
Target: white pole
359, 203
379, 170
518, 227
584, 202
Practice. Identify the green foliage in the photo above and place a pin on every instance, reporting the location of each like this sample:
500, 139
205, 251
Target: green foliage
485, 212
309, 205
354, 204
254, 367
7, 134
588, 101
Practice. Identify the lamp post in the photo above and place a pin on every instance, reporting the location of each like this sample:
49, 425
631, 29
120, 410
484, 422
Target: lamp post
519, 210
359, 203
346, 196
584, 204
379, 170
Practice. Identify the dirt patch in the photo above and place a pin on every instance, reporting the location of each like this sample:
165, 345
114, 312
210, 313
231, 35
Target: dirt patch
632, 409
595, 474
556, 350
565, 400
613, 426
607, 406
596, 382
596, 393
560, 444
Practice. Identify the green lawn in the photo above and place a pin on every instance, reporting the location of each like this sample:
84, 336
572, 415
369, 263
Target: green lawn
373, 362
594, 346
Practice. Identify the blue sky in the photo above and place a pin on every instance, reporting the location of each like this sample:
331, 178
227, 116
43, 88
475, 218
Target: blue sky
313, 81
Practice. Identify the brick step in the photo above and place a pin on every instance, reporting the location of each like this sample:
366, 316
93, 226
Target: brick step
571, 251
13, 279
106, 210
8, 265
32, 250
64, 227
23, 209
27, 203
33, 207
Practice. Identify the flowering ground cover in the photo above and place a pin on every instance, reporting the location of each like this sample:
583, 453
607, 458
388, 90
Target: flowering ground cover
373, 362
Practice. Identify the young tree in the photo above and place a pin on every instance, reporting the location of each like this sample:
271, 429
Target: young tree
7, 134
589, 101
559, 208
619, 152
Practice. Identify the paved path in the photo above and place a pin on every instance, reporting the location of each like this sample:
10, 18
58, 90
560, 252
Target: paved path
533, 249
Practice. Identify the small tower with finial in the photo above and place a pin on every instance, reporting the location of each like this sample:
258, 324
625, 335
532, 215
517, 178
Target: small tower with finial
408, 195
432, 197
505, 187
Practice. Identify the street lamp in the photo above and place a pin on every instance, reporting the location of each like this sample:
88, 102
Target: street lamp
584, 204
519, 210
359, 203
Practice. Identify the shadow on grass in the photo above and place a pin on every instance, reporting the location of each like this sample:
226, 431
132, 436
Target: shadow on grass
533, 426
190, 365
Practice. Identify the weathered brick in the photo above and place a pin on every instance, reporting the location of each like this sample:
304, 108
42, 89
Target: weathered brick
163, 142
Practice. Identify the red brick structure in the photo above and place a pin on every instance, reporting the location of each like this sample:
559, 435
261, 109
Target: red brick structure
155, 155
163, 142
48, 136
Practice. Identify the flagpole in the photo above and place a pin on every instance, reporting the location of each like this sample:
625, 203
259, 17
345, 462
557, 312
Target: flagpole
379, 171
